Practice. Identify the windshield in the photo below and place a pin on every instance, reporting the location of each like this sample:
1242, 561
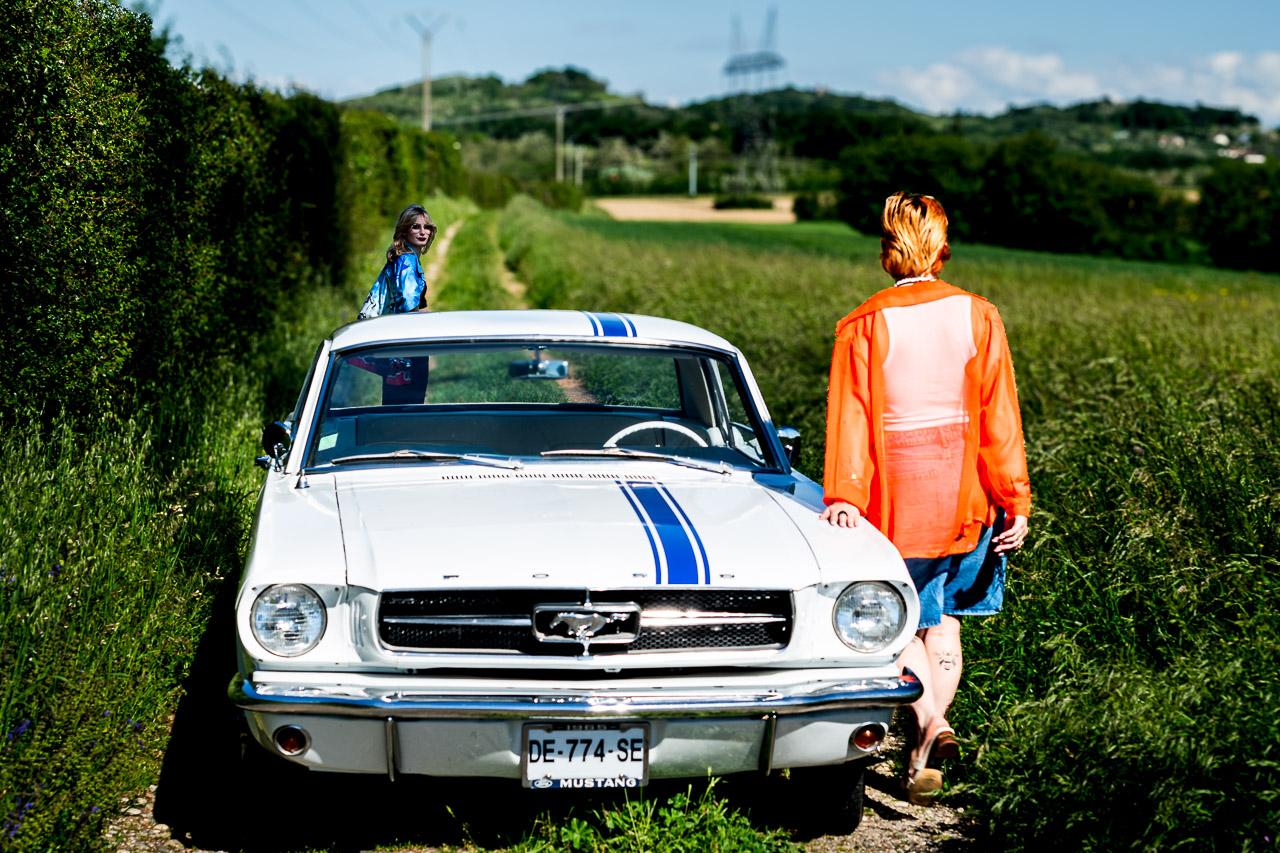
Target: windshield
409, 402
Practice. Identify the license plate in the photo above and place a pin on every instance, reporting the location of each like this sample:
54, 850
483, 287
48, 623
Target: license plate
586, 755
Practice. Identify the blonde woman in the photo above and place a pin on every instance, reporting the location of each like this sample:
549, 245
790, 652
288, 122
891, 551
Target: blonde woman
924, 441
401, 287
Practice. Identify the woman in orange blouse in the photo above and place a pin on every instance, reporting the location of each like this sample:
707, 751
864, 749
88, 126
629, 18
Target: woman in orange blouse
924, 441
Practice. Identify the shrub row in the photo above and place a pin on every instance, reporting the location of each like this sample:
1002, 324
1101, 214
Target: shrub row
153, 216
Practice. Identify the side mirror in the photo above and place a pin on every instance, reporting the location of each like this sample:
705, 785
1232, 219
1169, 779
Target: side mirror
277, 438
790, 438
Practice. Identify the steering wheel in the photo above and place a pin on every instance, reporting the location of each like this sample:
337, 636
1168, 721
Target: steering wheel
626, 431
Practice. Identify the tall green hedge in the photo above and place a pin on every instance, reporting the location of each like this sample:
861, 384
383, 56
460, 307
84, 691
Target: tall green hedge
152, 217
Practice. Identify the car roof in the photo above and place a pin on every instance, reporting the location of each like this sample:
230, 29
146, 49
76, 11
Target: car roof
589, 326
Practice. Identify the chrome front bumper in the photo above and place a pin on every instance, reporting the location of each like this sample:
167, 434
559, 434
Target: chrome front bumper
380, 702
433, 730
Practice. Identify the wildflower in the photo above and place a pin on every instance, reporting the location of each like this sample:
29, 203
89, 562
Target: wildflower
15, 823
19, 730
134, 724
55, 571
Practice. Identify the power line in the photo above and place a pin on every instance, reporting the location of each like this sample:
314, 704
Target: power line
541, 111
380, 37
557, 110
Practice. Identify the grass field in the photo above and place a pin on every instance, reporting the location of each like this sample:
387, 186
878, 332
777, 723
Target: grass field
1127, 695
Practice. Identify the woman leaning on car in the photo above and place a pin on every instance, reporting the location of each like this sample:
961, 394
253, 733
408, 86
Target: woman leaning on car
401, 287
924, 441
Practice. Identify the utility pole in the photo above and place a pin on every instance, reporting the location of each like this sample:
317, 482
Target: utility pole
426, 33
559, 144
693, 168
577, 164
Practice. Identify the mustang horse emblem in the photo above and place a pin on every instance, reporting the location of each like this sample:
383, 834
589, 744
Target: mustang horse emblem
584, 626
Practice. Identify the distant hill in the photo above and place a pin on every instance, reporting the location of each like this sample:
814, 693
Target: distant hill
1141, 135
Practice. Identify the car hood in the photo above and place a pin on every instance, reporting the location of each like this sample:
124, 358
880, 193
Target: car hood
640, 526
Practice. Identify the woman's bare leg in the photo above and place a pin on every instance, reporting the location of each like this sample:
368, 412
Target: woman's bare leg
916, 658
942, 649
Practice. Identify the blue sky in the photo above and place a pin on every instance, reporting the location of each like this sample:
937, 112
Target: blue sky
977, 56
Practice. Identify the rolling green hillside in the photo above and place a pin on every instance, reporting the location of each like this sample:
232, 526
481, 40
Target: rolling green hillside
1142, 135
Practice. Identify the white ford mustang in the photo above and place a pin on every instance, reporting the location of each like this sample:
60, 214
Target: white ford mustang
564, 548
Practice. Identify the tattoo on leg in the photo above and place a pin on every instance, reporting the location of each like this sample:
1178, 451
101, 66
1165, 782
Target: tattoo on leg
947, 661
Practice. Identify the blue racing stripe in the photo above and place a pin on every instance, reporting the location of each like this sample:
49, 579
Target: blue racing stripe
595, 324
630, 325
644, 522
682, 563
706, 564
612, 325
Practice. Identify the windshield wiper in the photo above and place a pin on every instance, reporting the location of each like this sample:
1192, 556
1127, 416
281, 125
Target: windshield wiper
407, 455
628, 453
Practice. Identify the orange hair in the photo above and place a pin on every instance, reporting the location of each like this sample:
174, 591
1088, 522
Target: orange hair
913, 238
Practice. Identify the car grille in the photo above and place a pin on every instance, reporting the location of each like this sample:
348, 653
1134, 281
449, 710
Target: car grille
503, 621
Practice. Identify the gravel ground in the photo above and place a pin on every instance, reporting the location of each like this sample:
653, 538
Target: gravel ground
889, 824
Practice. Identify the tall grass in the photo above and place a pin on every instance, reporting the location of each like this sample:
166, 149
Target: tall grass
1127, 695
117, 535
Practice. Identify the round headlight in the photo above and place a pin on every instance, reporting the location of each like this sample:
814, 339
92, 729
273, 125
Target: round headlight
288, 620
868, 616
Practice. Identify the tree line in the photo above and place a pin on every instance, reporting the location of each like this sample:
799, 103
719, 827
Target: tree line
1027, 192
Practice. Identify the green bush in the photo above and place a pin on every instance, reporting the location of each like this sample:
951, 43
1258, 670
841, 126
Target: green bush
1239, 215
810, 206
742, 201
556, 195
684, 823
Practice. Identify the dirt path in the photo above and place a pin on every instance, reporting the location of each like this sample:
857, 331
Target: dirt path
435, 262
890, 824
699, 209
517, 288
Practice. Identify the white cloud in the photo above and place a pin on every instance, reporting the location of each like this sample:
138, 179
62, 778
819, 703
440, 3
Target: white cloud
1250, 82
988, 79
937, 88
1043, 75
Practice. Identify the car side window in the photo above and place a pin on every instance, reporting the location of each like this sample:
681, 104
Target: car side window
742, 435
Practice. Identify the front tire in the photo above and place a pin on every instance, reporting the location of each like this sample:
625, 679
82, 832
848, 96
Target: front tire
833, 796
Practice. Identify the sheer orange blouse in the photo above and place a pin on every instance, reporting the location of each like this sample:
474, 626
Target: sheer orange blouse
994, 469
